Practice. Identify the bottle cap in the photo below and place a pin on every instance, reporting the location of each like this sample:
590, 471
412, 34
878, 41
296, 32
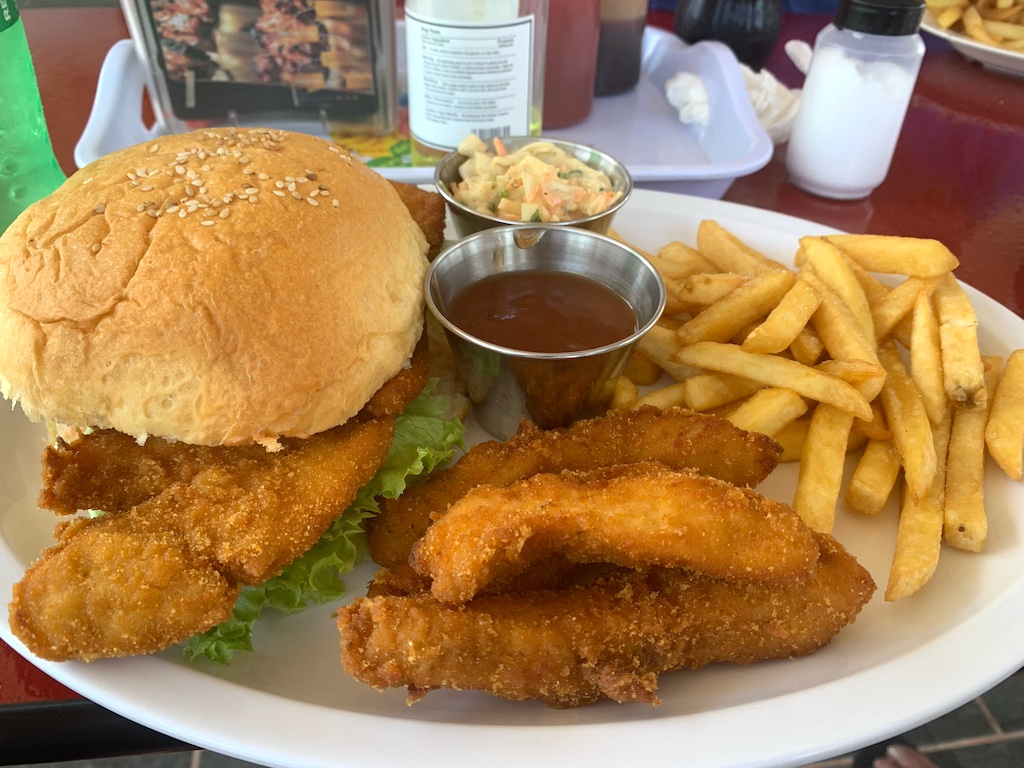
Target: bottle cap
880, 17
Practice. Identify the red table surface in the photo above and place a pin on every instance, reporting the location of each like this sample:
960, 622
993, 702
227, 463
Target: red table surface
957, 176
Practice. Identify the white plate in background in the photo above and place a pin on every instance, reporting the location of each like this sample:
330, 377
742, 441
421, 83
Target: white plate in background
991, 56
290, 704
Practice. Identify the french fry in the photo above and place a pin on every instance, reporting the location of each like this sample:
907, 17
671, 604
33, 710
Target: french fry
641, 370
908, 422
768, 410
1004, 432
888, 254
775, 372
828, 263
919, 534
624, 394
670, 270
728, 253
657, 345
974, 26
874, 477
665, 397
792, 437
821, 467
693, 260
843, 335
703, 290
852, 371
807, 347
707, 391
965, 524
899, 303
962, 370
876, 429
746, 304
784, 323
926, 358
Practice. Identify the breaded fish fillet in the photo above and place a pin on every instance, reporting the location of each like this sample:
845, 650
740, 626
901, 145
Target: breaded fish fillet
633, 515
676, 438
138, 580
110, 471
428, 211
609, 639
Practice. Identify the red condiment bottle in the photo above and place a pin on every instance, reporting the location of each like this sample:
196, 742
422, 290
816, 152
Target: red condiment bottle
570, 61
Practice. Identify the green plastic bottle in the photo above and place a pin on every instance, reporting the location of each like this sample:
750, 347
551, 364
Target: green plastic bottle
28, 168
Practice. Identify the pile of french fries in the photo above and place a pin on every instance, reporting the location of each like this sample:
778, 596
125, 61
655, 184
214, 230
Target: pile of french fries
993, 22
831, 361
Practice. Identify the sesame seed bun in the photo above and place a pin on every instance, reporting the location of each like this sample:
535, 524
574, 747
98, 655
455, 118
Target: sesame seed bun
216, 287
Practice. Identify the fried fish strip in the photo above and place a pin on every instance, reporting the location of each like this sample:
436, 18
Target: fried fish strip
676, 438
633, 515
609, 639
109, 471
428, 211
139, 580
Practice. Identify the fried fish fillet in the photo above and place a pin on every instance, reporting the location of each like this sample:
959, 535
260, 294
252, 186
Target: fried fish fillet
633, 515
428, 211
110, 471
140, 579
609, 639
676, 438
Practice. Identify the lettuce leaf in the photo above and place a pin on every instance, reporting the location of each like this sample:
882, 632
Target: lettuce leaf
424, 440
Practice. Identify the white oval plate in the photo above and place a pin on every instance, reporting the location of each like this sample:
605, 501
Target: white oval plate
991, 56
290, 703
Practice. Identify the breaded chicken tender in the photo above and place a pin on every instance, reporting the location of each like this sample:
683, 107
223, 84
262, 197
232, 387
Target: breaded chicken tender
140, 579
608, 639
633, 515
676, 438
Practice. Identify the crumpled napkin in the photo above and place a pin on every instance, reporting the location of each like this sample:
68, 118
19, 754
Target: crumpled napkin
774, 104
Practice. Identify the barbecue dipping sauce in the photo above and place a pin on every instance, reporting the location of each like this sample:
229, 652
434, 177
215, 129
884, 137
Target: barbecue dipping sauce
542, 312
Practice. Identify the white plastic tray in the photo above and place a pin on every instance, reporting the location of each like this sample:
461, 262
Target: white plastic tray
640, 128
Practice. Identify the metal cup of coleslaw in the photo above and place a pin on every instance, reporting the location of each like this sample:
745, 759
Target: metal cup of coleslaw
466, 219
550, 389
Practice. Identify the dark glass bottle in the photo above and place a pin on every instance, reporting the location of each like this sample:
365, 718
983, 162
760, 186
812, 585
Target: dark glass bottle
750, 28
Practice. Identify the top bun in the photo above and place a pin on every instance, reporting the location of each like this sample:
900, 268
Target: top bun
217, 287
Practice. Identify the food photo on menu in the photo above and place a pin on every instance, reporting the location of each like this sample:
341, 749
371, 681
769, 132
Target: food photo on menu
360, 398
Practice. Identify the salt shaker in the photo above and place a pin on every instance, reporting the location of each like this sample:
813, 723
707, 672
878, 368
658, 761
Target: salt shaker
855, 98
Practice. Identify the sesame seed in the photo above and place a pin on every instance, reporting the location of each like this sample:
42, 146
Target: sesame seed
311, 176
148, 188
206, 169
182, 214
99, 209
251, 190
243, 160
154, 149
189, 190
173, 209
335, 202
248, 171
225, 213
279, 184
254, 199
289, 178
96, 247
333, 149
296, 195
279, 193
208, 223
132, 176
155, 213
311, 201
302, 179
140, 208
291, 187
264, 176
179, 169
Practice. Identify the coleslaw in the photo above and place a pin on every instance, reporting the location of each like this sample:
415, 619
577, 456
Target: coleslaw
538, 182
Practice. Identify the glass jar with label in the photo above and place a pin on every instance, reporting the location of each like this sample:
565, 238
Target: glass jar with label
474, 67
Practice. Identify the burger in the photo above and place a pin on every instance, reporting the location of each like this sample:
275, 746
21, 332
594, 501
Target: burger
223, 331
